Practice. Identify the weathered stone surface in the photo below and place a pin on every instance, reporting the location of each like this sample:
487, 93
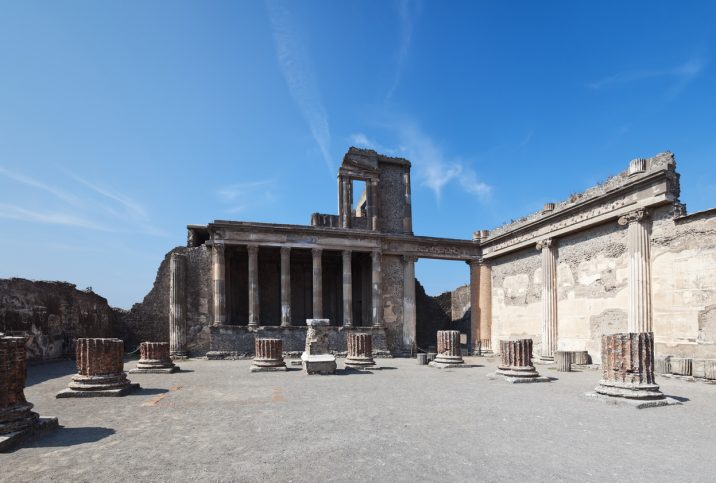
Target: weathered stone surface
360, 351
580, 357
316, 357
516, 362
563, 361
269, 355
100, 370
662, 365
628, 366
680, 366
154, 358
449, 354
15, 412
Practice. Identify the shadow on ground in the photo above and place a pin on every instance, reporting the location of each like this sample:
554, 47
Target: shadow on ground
41, 372
63, 437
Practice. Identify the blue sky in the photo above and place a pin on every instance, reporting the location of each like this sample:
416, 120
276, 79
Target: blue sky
122, 122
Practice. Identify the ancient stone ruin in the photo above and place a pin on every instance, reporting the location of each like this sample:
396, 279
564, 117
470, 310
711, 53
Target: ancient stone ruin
449, 354
269, 356
154, 359
316, 358
17, 420
360, 351
516, 362
100, 370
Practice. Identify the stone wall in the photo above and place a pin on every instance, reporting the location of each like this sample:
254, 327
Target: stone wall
392, 199
392, 276
53, 314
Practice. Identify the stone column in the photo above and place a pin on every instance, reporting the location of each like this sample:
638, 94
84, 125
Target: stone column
177, 305
254, 307
485, 307
449, 354
317, 283
347, 290
516, 362
219, 284
563, 360
100, 369
640, 312
407, 207
369, 206
15, 412
154, 358
360, 351
269, 356
285, 286
377, 289
374, 223
628, 366
475, 334
549, 298
409, 309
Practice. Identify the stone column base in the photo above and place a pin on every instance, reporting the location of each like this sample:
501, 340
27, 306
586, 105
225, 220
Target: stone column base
98, 386
41, 425
629, 390
319, 363
446, 362
360, 363
154, 370
514, 374
635, 403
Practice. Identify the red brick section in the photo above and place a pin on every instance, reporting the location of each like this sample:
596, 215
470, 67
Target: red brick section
15, 411
628, 366
515, 353
360, 345
98, 357
449, 343
154, 351
269, 352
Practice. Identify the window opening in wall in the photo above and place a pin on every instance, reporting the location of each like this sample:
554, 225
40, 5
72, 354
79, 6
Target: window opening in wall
358, 203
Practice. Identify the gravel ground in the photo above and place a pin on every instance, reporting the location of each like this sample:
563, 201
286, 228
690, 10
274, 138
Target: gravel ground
215, 421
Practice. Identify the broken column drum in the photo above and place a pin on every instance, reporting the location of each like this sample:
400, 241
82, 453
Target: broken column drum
360, 350
448, 349
100, 369
15, 412
628, 366
563, 360
516, 361
269, 355
154, 358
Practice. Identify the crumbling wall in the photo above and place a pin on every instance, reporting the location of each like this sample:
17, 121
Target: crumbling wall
149, 319
431, 316
391, 198
53, 314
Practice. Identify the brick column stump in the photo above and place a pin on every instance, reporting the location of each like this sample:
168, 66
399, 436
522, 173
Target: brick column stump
360, 351
269, 356
100, 370
448, 354
154, 359
563, 360
628, 371
516, 362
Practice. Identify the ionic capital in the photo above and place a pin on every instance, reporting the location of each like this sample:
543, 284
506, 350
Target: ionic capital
474, 262
633, 216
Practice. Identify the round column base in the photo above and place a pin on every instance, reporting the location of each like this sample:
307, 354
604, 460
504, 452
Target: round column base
444, 359
17, 418
359, 362
268, 365
629, 390
99, 383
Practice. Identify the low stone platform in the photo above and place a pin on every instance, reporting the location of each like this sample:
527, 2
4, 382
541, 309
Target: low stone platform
44, 425
319, 364
121, 391
634, 403
516, 379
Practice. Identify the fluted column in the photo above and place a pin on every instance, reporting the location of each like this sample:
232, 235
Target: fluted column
549, 298
485, 307
219, 284
475, 334
407, 206
409, 310
360, 350
285, 286
377, 289
177, 305
254, 307
449, 353
154, 358
269, 355
317, 283
628, 366
375, 215
638, 244
347, 290
345, 202
516, 362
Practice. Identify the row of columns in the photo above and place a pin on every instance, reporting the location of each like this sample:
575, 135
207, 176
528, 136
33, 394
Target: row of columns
345, 202
640, 309
219, 275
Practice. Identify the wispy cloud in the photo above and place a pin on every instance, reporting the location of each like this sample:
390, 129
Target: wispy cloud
682, 74
295, 65
248, 195
133, 208
408, 11
35, 183
15, 212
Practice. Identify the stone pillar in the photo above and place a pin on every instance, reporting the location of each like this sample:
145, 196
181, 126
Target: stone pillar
317, 283
484, 302
563, 360
516, 362
346, 202
154, 358
640, 312
449, 354
360, 351
285, 286
100, 369
375, 215
377, 289
269, 356
369, 206
254, 306
628, 367
177, 306
549, 298
407, 206
219, 284
347, 290
409, 308
316, 357
475, 335
15, 412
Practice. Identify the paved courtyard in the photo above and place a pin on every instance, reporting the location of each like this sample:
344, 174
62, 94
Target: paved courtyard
215, 421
